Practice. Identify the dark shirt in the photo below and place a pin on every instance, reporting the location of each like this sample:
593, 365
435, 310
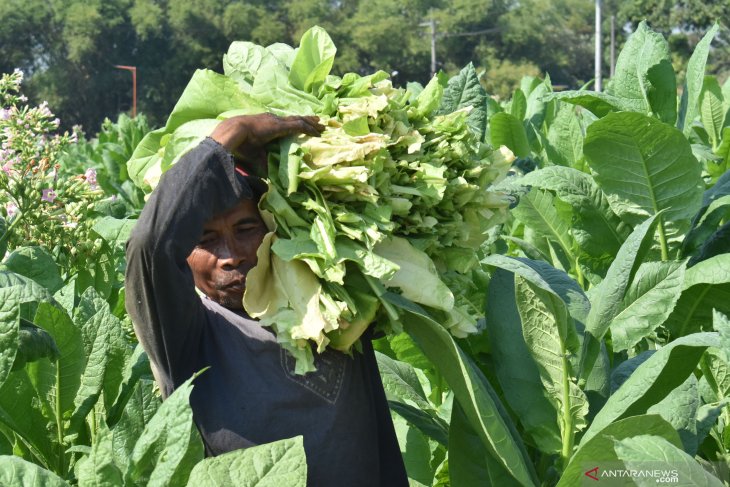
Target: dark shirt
250, 395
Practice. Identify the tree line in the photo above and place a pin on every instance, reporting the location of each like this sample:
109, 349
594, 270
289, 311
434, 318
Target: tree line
69, 48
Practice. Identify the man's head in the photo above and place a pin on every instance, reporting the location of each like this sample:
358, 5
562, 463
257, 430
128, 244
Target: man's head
227, 252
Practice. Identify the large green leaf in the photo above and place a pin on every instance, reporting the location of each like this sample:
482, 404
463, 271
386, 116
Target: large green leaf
514, 366
694, 79
14, 471
550, 337
138, 412
37, 264
598, 450
600, 104
406, 397
99, 468
680, 408
637, 451
595, 227
539, 210
472, 391
22, 414
278, 464
470, 463
417, 451
506, 129
462, 91
69, 367
712, 113
564, 145
648, 301
170, 445
548, 278
643, 51
9, 325
653, 380
105, 350
313, 60
706, 287
644, 166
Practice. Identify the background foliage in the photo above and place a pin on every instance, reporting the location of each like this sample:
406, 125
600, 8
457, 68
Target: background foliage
69, 48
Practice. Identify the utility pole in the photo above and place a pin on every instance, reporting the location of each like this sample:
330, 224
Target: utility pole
613, 45
432, 23
599, 81
133, 69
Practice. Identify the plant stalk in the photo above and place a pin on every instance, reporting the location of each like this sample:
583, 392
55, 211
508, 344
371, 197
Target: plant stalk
8, 230
59, 423
567, 431
663, 240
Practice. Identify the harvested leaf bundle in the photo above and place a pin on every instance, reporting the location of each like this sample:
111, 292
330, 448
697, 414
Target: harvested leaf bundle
392, 196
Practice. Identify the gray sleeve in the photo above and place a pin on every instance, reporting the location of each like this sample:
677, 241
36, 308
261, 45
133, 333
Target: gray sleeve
168, 315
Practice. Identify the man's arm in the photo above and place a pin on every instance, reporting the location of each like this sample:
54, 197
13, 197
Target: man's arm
160, 292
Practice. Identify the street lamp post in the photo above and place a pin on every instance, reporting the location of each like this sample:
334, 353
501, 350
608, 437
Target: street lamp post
133, 69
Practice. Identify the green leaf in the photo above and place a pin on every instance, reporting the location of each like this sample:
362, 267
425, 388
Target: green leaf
662, 91
539, 210
416, 277
644, 51
647, 302
706, 287
277, 464
313, 60
416, 450
22, 414
138, 412
37, 264
716, 169
17, 472
548, 335
637, 451
514, 366
507, 130
70, 364
705, 223
548, 278
600, 104
680, 409
518, 105
598, 450
430, 98
472, 390
462, 91
9, 326
170, 445
694, 79
653, 380
595, 227
470, 463
34, 343
3, 238
116, 232
644, 166
407, 398
712, 113
564, 145
243, 60
99, 468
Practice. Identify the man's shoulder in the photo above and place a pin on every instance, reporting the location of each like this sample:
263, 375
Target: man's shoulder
220, 316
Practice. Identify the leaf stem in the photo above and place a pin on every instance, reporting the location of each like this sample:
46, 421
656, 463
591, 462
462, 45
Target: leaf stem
8, 230
567, 435
663, 240
59, 422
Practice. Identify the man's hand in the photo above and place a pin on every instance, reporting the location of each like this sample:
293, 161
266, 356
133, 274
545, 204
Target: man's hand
246, 136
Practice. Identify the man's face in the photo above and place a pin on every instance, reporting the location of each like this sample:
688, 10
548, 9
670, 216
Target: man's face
226, 252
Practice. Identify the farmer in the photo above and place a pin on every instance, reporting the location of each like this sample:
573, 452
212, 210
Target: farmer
201, 229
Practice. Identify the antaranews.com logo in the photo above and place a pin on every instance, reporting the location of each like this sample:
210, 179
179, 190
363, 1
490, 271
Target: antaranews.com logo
618, 476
